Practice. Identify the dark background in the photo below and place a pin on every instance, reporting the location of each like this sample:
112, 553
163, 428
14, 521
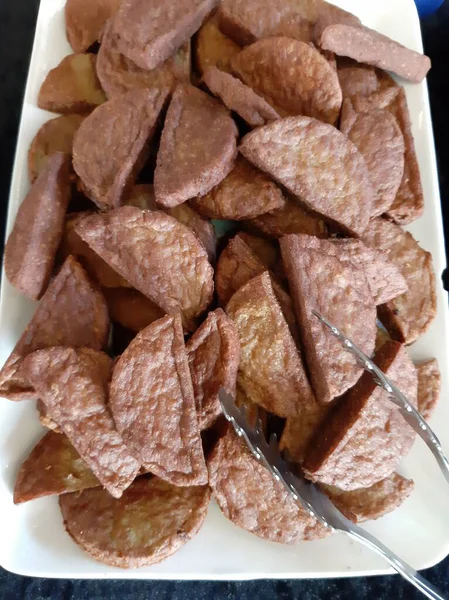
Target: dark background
17, 21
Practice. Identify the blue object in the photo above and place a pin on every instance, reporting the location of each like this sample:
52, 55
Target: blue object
427, 7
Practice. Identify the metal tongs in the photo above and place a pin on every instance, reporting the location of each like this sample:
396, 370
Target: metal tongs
407, 410
308, 494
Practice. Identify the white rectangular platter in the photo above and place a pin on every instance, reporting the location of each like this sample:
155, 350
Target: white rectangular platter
33, 540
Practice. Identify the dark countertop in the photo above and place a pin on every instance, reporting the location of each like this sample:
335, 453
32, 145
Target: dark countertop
17, 20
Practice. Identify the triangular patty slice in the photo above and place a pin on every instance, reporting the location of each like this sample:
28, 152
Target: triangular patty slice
53, 467
111, 145
72, 312
339, 291
198, 147
73, 384
271, 370
319, 165
153, 404
363, 440
158, 255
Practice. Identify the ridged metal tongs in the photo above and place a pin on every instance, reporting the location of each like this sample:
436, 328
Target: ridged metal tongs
407, 410
308, 494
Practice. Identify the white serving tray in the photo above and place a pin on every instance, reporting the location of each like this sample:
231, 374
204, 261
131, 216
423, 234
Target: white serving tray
33, 540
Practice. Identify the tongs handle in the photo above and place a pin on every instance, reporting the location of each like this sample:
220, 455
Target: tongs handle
407, 410
404, 569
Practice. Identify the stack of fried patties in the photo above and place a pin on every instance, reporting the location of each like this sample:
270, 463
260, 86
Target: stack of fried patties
305, 156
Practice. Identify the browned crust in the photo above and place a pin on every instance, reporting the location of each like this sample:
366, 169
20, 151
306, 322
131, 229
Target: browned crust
409, 315
198, 147
380, 141
72, 312
150, 522
56, 135
72, 86
271, 370
118, 74
239, 97
409, 202
365, 424
289, 151
213, 48
300, 429
312, 267
371, 47
149, 35
74, 385
53, 467
429, 387
236, 266
367, 504
131, 309
142, 245
214, 356
292, 76
250, 497
111, 145
85, 20
32, 244
245, 193
248, 21
291, 218
96, 267
153, 405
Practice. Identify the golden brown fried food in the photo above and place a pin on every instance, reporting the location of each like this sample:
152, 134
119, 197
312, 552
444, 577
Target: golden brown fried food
198, 147
319, 165
111, 145
291, 218
118, 74
355, 78
292, 76
250, 497
142, 196
150, 522
248, 21
329, 14
321, 281
239, 97
383, 277
429, 387
245, 193
379, 139
153, 404
409, 202
371, 47
85, 20
72, 86
236, 266
72, 313
409, 315
367, 504
74, 386
300, 429
159, 256
365, 438
56, 135
150, 31
214, 355
97, 268
32, 244
131, 309
267, 251
271, 370
53, 467
213, 48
